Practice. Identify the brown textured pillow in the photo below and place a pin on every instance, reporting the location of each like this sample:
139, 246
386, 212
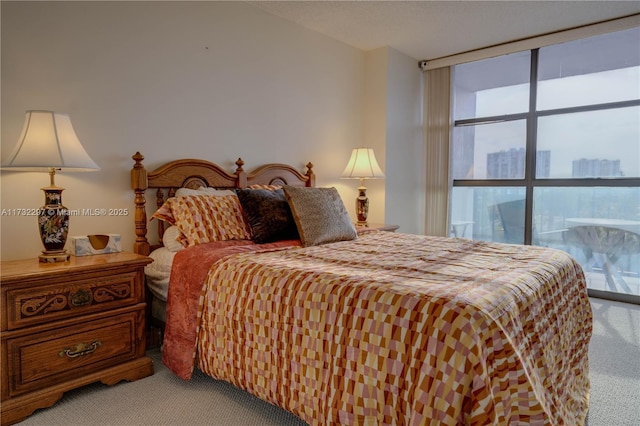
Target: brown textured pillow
268, 215
320, 215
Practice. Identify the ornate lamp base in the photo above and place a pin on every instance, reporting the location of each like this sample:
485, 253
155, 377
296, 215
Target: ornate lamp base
54, 226
362, 207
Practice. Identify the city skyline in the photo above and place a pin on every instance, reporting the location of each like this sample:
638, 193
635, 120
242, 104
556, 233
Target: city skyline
509, 164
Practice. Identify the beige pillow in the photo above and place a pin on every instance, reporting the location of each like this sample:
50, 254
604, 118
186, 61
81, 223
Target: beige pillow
172, 237
320, 215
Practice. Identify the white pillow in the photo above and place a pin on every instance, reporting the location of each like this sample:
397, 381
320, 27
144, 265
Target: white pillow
185, 192
170, 238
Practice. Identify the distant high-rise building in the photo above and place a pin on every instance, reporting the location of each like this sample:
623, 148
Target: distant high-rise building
506, 164
543, 164
463, 153
510, 164
596, 168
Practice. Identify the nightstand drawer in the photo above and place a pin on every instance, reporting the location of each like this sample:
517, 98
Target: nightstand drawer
63, 354
64, 299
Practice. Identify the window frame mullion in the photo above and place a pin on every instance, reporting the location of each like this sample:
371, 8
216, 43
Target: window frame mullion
531, 148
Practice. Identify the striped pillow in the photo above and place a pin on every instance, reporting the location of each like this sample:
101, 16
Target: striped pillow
265, 186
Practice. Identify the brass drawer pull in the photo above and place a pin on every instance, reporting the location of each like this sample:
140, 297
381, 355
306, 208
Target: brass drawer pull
81, 297
81, 349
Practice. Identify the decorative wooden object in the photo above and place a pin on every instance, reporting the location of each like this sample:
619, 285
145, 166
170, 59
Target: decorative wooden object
193, 173
65, 325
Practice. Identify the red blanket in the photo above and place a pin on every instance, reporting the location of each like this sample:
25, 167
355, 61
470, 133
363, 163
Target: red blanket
188, 274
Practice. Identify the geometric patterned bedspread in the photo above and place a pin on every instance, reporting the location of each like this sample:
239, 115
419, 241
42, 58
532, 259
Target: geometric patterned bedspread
402, 329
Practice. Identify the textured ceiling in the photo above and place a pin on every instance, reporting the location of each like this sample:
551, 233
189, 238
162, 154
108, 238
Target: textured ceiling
434, 29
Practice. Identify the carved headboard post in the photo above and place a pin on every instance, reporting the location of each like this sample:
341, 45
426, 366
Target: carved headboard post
312, 176
139, 184
241, 174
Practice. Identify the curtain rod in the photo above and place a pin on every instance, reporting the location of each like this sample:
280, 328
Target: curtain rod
535, 42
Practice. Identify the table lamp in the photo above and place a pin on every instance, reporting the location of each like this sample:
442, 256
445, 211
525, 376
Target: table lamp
49, 143
362, 165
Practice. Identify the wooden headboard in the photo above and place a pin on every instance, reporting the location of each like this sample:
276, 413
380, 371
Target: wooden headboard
193, 173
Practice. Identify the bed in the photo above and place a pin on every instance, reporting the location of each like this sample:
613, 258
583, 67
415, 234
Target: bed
376, 328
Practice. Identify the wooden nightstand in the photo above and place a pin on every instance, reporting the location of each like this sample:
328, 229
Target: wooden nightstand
65, 325
376, 227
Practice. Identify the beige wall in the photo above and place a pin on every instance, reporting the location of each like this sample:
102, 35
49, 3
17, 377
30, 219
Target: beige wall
214, 80
393, 127
404, 186
375, 124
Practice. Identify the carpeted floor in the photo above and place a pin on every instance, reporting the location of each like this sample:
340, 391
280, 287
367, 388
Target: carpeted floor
614, 362
163, 399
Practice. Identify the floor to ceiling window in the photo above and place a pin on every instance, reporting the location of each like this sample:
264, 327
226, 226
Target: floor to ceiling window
546, 150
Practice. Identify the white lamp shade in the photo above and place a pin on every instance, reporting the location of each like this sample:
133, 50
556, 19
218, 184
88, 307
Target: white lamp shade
362, 165
48, 140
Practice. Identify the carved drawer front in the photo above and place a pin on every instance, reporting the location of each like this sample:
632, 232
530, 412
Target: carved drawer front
45, 303
56, 356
